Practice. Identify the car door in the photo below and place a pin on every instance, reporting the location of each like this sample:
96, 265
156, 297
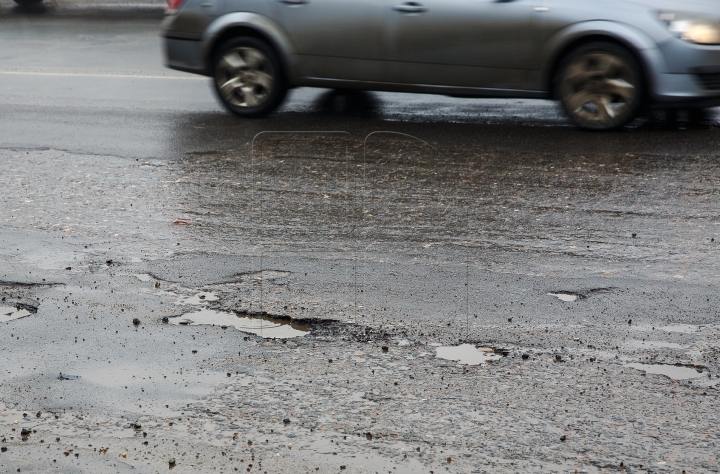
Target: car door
465, 43
336, 39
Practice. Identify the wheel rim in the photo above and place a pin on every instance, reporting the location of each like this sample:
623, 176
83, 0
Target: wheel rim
599, 88
245, 77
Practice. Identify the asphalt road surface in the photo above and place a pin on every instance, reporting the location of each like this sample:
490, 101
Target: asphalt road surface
361, 282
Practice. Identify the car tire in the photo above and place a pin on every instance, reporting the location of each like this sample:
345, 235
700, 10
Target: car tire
600, 86
28, 3
248, 77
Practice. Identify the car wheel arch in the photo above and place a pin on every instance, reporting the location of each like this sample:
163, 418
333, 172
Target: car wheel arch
643, 48
250, 25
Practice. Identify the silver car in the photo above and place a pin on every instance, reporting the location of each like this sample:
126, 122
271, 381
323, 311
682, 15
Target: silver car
604, 60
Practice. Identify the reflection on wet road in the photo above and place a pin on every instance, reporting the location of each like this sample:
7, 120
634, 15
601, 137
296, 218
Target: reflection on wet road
118, 99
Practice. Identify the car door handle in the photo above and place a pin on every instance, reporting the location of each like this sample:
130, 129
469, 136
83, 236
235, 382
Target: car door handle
410, 7
294, 2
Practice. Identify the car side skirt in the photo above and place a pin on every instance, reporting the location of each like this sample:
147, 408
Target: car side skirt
469, 92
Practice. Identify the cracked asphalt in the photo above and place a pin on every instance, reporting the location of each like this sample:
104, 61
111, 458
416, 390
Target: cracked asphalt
584, 266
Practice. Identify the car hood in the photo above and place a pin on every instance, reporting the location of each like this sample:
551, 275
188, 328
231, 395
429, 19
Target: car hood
711, 7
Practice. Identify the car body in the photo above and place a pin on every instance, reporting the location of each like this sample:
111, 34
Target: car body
470, 48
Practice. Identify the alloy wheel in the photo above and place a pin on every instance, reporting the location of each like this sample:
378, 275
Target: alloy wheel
600, 90
245, 77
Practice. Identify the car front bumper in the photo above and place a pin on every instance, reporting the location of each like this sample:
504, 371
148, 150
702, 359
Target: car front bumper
691, 77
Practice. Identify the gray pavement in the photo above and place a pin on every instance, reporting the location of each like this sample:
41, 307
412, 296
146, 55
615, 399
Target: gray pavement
586, 265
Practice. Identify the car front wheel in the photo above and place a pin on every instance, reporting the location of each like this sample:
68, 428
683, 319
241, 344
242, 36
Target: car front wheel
600, 86
248, 77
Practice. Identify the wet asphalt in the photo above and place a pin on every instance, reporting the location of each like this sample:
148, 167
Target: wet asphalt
385, 224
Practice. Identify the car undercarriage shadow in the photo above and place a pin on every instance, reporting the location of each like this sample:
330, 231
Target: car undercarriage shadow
678, 119
348, 102
30, 10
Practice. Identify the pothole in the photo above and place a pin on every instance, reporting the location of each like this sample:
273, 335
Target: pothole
466, 354
199, 298
566, 296
18, 300
570, 296
263, 326
672, 371
11, 313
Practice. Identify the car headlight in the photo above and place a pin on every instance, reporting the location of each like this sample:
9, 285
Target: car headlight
693, 28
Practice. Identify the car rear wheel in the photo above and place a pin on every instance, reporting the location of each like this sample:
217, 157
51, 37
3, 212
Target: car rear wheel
248, 77
600, 86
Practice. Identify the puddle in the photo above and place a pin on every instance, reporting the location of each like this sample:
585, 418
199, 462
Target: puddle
685, 328
10, 313
263, 326
200, 298
569, 296
672, 371
466, 354
565, 296
143, 277
650, 344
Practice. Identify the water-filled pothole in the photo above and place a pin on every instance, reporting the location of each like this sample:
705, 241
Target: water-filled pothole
569, 296
10, 313
466, 354
263, 326
566, 296
673, 371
